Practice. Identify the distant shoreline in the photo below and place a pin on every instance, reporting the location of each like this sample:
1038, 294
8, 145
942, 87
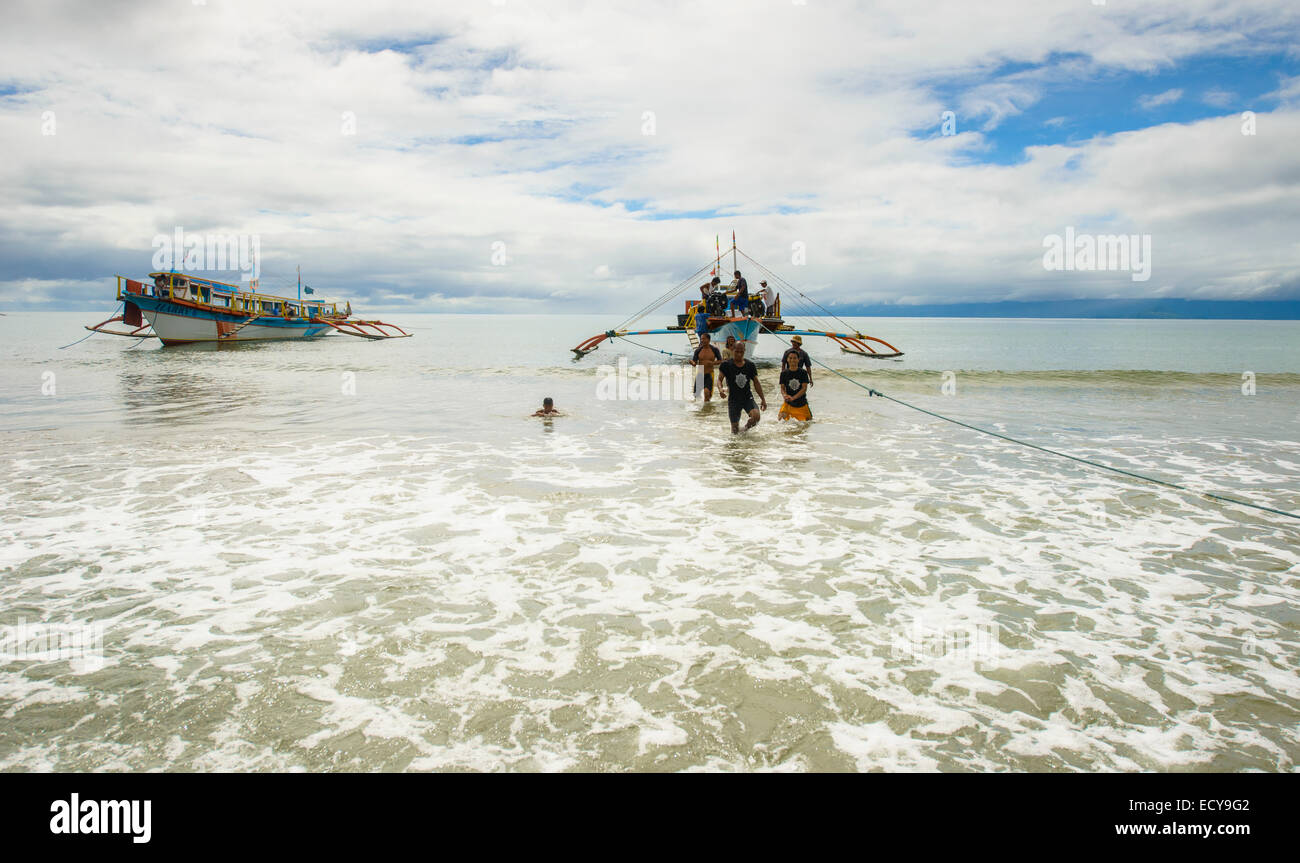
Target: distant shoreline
1166, 309
1163, 309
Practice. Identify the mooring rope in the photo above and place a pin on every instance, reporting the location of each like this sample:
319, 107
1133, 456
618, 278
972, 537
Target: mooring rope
1080, 459
648, 348
93, 332
80, 340
777, 276
663, 298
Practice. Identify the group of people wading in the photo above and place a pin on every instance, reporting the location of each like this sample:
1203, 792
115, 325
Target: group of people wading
739, 380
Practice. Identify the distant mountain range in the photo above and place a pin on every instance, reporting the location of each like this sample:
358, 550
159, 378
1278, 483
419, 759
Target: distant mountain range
1264, 310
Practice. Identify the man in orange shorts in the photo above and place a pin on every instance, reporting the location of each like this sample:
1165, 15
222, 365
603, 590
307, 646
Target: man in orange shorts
794, 389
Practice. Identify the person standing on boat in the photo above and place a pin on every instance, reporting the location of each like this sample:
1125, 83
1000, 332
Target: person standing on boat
741, 376
716, 301
794, 389
707, 357
796, 349
742, 294
769, 298
702, 312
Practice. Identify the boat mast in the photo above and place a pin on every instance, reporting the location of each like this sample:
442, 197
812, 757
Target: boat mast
300, 283
734, 265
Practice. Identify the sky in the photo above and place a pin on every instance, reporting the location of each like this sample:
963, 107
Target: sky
532, 157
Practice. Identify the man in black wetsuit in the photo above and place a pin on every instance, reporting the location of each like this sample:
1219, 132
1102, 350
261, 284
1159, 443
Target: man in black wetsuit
742, 375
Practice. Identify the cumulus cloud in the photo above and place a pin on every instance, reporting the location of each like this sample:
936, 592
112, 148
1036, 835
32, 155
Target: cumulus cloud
562, 156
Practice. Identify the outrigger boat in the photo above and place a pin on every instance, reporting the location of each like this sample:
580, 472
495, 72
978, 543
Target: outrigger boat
722, 322
183, 309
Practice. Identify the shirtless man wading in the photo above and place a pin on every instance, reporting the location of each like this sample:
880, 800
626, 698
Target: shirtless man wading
707, 357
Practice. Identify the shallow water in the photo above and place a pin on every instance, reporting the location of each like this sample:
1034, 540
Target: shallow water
351, 555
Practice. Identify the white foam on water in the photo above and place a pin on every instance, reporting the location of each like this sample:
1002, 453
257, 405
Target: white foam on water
639, 591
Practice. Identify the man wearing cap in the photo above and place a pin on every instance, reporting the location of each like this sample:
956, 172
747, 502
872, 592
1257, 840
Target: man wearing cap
796, 347
769, 298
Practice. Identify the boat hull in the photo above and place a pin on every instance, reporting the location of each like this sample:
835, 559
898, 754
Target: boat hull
177, 324
745, 330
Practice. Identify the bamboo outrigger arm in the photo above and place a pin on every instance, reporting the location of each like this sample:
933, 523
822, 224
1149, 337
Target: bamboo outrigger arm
588, 345
137, 332
851, 343
365, 329
856, 343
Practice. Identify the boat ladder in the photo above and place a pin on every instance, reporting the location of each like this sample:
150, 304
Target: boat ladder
692, 336
230, 334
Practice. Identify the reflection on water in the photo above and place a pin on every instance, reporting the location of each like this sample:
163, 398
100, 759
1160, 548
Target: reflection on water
172, 394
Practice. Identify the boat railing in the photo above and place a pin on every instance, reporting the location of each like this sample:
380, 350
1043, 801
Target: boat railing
693, 305
228, 298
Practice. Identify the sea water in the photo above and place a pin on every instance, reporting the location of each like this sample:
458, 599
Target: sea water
357, 555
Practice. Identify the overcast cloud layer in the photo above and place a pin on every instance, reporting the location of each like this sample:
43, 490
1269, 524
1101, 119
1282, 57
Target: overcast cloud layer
524, 124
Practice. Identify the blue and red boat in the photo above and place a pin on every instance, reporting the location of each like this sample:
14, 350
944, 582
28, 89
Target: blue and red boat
184, 309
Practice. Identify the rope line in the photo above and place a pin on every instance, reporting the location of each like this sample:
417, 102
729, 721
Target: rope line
664, 297
648, 348
1079, 459
93, 332
799, 292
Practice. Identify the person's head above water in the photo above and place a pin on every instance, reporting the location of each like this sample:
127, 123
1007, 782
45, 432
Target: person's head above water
548, 402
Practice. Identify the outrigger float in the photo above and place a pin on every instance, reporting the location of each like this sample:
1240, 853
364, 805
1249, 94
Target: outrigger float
722, 322
183, 309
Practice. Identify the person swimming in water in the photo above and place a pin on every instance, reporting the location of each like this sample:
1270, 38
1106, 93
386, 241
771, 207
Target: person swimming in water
548, 409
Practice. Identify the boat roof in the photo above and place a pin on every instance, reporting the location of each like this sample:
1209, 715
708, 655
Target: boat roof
312, 298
